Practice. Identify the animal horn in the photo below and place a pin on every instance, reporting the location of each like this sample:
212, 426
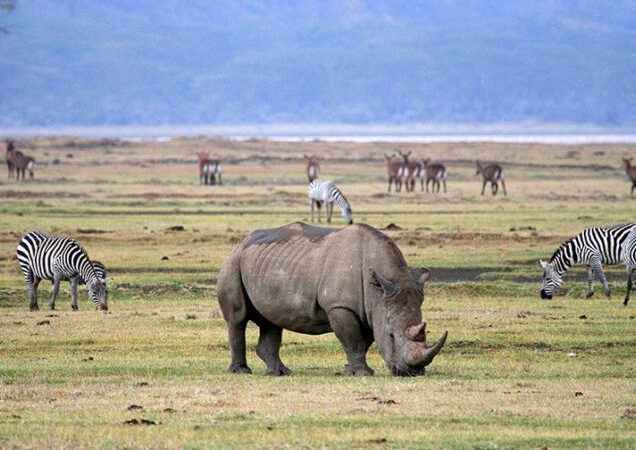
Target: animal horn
423, 354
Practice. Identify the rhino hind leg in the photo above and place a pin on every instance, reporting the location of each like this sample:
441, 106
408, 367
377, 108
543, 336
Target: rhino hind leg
236, 334
268, 349
347, 328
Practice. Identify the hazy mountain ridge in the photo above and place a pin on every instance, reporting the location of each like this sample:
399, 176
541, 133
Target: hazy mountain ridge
195, 62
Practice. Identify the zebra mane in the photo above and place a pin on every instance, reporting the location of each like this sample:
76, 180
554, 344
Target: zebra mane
557, 253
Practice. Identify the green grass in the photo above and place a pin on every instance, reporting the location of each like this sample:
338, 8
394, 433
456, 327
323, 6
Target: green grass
516, 372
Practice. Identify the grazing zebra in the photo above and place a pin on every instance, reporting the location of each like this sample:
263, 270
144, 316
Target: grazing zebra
629, 257
434, 173
631, 172
491, 173
313, 168
44, 256
323, 191
393, 172
593, 247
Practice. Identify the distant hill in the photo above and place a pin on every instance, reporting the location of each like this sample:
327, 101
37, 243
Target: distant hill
143, 62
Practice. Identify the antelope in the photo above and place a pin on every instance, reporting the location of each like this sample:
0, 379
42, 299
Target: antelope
313, 168
491, 173
631, 172
409, 171
393, 172
209, 169
434, 173
18, 161
9, 158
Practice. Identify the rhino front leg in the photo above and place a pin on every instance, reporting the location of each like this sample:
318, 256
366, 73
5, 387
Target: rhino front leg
268, 348
348, 330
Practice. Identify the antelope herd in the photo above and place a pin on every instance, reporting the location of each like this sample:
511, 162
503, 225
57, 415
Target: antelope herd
402, 171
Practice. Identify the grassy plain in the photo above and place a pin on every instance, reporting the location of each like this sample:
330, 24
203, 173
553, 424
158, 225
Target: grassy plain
516, 372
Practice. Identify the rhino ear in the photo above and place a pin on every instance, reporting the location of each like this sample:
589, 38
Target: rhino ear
420, 275
389, 287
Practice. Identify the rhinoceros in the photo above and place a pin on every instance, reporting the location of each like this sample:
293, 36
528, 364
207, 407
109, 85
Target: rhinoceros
352, 281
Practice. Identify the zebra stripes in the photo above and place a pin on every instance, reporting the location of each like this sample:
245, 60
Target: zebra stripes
323, 191
592, 247
44, 256
629, 257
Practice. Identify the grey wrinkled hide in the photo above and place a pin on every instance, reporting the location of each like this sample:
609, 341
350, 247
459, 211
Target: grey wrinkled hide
352, 281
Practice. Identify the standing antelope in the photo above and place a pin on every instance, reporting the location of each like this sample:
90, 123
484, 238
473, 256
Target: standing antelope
491, 173
22, 163
393, 172
313, 168
631, 172
9, 157
409, 171
209, 169
434, 173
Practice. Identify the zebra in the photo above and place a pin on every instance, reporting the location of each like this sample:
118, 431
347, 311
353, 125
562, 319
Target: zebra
593, 247
629, 257
491, 173
45, 256
324, 191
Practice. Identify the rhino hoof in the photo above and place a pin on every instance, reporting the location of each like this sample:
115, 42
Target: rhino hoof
364, 371
278, 371
239, 369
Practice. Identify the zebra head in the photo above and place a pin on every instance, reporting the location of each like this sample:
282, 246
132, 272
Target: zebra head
550, 281
98, 294
347, 214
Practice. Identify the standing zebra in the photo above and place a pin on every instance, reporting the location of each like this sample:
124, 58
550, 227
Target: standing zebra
491, 173
593, 247
323, 191
44, 256
629, 257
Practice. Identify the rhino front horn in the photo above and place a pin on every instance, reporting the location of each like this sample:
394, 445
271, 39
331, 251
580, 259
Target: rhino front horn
425, 354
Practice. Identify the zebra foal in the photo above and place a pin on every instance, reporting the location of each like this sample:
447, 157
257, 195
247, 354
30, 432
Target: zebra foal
325, 192
592, 247
45, 256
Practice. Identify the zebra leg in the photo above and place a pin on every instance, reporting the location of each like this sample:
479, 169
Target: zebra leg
590, 281
329, 211
268, 348
32, 287
56, 289
630, 272
598, 268
74, 283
